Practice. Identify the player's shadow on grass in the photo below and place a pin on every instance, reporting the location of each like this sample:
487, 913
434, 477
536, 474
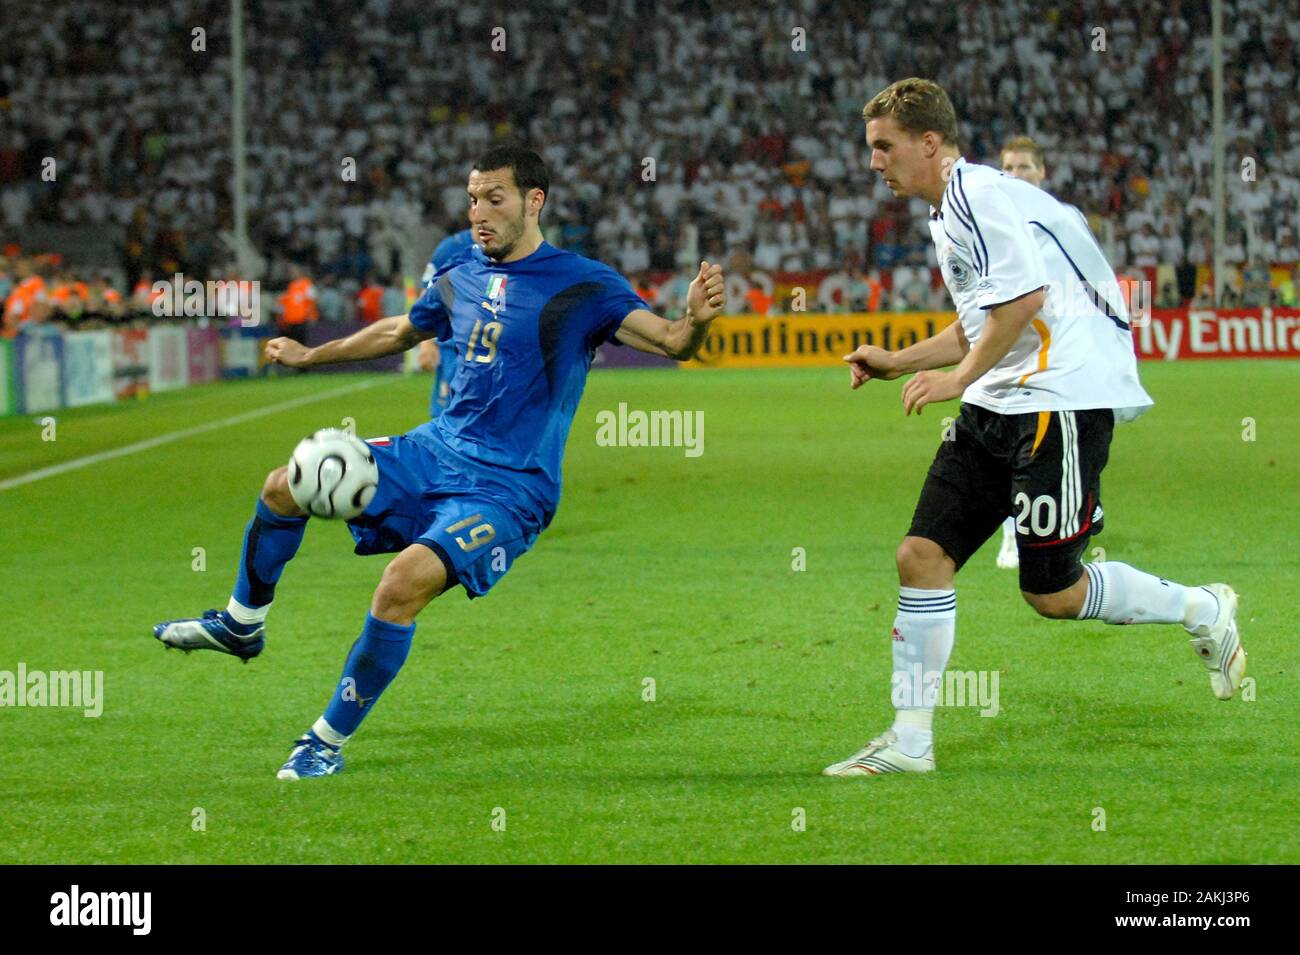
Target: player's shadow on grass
614, 768
1090, 723
568, 728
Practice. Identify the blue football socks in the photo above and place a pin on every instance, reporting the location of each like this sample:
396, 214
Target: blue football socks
372, 663
270, 541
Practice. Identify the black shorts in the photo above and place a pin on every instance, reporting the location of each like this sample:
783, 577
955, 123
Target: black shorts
1043, 467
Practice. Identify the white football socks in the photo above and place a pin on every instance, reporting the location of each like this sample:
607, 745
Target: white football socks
923, 636
1118, 593
249, 616
328, 733
926, 628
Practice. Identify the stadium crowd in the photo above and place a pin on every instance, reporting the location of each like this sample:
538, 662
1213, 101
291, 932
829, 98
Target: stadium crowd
37, 289
674, 131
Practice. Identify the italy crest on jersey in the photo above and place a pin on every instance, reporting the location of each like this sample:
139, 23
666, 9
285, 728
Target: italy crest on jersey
495, 295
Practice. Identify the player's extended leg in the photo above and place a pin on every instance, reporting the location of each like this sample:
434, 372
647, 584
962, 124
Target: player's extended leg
1059, 495
413, 578
1119, 594
271, 539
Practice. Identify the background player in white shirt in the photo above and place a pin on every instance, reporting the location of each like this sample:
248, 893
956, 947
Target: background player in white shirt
1024, 159
1044, 365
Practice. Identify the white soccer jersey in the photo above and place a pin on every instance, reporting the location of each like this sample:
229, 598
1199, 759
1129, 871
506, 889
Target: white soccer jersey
998, 239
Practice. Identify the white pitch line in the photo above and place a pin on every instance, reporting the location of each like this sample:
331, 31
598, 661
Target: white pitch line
75, 463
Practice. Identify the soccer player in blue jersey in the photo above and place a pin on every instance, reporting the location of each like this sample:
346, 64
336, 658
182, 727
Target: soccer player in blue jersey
461, 497
439, 355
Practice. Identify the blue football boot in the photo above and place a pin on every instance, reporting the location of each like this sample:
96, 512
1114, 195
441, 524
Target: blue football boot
311, 757
210, 632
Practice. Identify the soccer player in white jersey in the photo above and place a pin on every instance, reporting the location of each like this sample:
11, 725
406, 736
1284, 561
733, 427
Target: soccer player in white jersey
1044, 364
1022, 158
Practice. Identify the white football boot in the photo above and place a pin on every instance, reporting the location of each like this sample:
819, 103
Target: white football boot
1219, 644
881, 756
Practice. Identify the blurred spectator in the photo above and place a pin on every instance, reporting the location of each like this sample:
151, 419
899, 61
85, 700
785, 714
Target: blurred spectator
644, 288
329, 300
916, 293
298, 305
1288, 288
1168, 296
1172, 248
1256, 286
370, 300
940, 300
27, 302
1144, 247
68, 295
103, 299
143, 295
672, 295
393, 301
757, 301
866, 292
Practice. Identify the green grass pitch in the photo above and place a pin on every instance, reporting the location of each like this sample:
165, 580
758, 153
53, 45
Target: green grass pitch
658, 566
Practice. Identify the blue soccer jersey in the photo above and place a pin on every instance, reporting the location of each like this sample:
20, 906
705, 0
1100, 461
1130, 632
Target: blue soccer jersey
525, 333
451, 252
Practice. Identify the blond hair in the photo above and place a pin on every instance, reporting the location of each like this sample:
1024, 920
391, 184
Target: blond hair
918, 106
1025, 144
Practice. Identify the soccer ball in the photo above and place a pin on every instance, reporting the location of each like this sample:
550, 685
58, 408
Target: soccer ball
333, 474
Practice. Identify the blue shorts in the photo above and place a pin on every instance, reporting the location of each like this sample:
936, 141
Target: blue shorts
474, 531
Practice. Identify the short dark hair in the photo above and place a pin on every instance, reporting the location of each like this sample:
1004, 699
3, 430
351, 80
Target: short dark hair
918, 106
525, 165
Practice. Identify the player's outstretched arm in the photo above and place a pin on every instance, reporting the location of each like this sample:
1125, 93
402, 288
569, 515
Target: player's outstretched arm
680, 340
938, 351
388, 336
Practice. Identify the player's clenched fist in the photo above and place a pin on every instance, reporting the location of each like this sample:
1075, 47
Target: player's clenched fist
286, 351
928, 388
428, 356
707, 296
871, 361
